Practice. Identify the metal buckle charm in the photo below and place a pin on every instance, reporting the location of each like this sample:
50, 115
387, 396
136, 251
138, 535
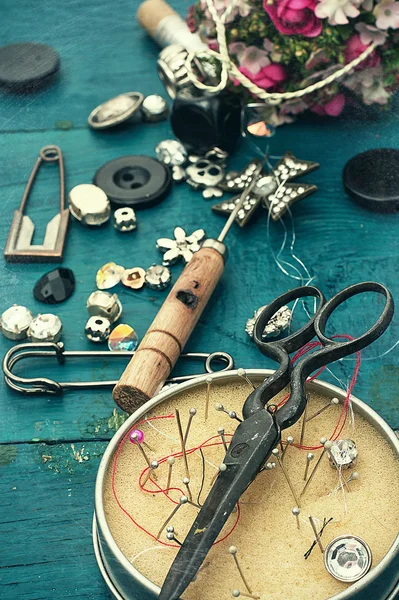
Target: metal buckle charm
19, 247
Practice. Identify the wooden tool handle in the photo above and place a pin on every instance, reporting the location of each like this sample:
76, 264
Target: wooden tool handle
164, 341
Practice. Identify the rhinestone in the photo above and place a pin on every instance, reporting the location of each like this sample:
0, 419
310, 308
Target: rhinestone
171, 152
231, 206
294, 194
241, 214
123, 337
230, 184
15, 322
301, 190
109, 276
289, 190
45, 328
276, 209
281, 167
252, 201
247, 206
244, 177
125, 219
104, 304
303, 167
278, 323
293, 173
280, 205
158, 277
97, 329
347, 558
89, 204
279, 194
343, 454
240, 185
154, 108
55, 286
134, 278
225, 206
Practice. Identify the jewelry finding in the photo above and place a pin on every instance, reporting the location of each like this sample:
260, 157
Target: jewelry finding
98, 329
171, 153
343, 454
154, 108
104, 304
158, 277
45, 328
123, 338
182, 247
348, 558
133, 278
15, 322
109, 275
125, 219
55, 286
89, 204
19, 247
115, 111
279, 323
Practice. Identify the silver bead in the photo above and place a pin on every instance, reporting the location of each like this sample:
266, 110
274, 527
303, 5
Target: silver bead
171, 153
343, 454
158, 277
104, 304
125, 219
15, 322
97, 329
45, 328
154, 108
89, 204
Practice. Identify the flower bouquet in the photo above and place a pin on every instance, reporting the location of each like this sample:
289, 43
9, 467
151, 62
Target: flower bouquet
286, 45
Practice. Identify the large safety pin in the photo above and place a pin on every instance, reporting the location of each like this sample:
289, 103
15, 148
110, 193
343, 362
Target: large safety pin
44, 385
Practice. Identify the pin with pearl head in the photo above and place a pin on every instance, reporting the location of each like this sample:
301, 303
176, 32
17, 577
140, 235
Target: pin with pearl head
289, 442
208, 382
333, 402
237, 594
296, 511
276, 453
182, 500
233, 551
221, 469
327, 444
150, 473
192, 413
170, 535
309, 458
186, 482
242, 373
139, 437
231, 413
173, 325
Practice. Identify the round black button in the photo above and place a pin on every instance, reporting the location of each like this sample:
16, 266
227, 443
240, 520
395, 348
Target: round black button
27, 65
137, 181
372, 179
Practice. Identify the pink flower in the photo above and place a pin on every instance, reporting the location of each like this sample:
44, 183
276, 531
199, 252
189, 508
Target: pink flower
354, 48
294, 17
333, 108
250, 57
267, 77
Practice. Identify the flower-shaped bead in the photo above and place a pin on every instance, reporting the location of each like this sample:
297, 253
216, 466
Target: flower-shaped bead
183, 246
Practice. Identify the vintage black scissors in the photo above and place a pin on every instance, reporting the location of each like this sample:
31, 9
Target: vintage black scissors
260, 431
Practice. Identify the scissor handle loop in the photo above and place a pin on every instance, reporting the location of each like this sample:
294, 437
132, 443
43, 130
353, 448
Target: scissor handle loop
350, 346
297, 339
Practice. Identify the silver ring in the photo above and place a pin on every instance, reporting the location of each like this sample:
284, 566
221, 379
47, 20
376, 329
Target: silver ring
115, 111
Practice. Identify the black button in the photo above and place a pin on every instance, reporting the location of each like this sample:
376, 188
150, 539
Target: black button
55, 286
372, 179
27, 66
137, 181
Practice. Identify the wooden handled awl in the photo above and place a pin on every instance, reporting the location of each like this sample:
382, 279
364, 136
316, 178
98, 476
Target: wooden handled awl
165, 339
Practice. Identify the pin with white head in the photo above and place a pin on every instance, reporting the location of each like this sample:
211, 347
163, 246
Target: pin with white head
309, 458
326, 448
186, 482
280, 462
289, 442
296, 511
270, 466
191, 415
170, 535
333, 402
208, 382
222, 469
221, 433
237, 594
316, 535
353, 477
171, 461
182, 500
182, 443
233, 415
150, 472
233, 551
242, 373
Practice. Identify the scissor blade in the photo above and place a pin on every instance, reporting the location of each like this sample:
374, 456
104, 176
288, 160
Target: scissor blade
250, 447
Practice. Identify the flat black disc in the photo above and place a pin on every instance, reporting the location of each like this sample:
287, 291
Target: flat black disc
27, 65
136, 181
372, 179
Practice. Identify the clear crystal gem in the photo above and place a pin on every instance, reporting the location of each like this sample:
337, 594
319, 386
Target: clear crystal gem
171, 152
15, 322
134, 278
123, 337
343, 454
347, 558
109, 275
158, 277
45, 328
265, 185
279, 322
105, 305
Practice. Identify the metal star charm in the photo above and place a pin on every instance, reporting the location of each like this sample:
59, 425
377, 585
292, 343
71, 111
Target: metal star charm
273, 189
182, 247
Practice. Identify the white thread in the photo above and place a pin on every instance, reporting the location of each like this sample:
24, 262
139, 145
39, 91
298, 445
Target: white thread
229, 68
148, 550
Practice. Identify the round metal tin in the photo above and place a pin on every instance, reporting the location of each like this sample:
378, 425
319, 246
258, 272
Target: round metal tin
127, 583
115, 111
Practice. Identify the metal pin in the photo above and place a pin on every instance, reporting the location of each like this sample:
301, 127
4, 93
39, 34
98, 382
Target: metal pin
277, 455
170, 535
135, 438
326, 447
171, 461
237, 593
355, 475
150, 473
242, 373
290, 440
230, 413
221, 433
192, 413
317, 537
305, 412
333, 402
222, 469
182, 500
296, 511
208, 382
183, 446
270, 466
309, 458
186, 482
233, 551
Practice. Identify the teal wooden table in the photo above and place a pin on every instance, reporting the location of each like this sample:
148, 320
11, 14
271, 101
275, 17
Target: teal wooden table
50, 448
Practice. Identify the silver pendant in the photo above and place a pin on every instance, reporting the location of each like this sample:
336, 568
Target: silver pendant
279, 323
116, 110
15, 322
45, 328
347, 558
158, 277
104, 304
273, 190
343, 454
207, 172
125, 219
89, 204
154, 108
182, 247
98, 329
